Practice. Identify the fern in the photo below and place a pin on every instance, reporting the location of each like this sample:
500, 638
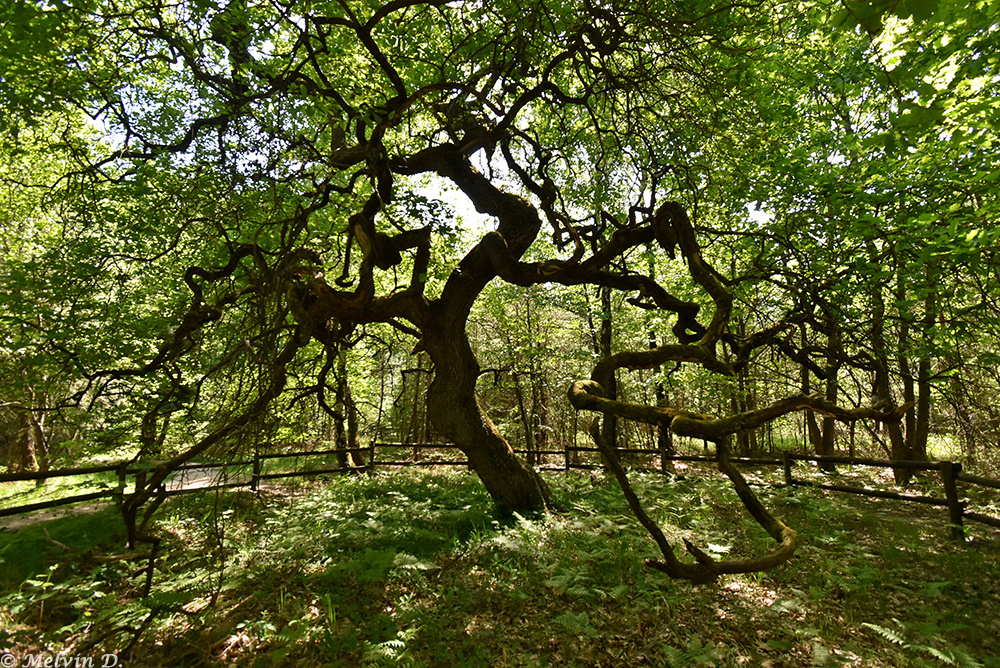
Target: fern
579, 590
388, 652
936, 653
958, 657
382, 652
576, 624
888, 634
955, 657
676, 658
967, 661
695, 653
621, 591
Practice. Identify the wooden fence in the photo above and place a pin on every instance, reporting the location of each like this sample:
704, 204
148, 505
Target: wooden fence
251, 473
45, 475
951, 473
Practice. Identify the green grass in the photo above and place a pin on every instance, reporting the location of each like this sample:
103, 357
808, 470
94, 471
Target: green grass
22, 493
30, 551
412, 568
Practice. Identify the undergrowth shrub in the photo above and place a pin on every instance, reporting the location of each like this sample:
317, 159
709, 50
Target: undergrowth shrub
415, 568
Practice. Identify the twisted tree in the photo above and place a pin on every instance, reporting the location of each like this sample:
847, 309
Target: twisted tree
276, 159
671, 225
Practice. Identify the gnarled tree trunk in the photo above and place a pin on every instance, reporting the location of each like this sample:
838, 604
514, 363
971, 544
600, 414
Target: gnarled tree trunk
455, 412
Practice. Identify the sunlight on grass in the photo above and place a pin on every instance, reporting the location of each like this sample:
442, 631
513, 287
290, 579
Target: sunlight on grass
413, 568
23, 493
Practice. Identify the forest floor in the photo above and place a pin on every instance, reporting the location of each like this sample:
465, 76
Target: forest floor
413, 568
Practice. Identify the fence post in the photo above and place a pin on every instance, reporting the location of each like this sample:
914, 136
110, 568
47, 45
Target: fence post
255, 480
566, 455
661, 445
119, 494
955, 507
786, 461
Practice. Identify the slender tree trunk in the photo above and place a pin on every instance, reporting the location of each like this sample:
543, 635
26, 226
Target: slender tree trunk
664, 437
829, 442
918, 449
413, 417
40, 441
345, 419
736, 406
742, 401
905, 370
526, 422
917, 388
609, 426
923, 398
898, 448
539, 397
402, 421
813, 433
427, 426
31, 447
24, 452
415, 422
543, 419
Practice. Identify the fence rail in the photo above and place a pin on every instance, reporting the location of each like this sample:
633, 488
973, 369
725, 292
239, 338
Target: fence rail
950, 472
56, 473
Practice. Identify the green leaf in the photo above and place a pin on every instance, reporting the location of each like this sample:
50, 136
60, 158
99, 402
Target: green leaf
888, 634
410, 562
922, 10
